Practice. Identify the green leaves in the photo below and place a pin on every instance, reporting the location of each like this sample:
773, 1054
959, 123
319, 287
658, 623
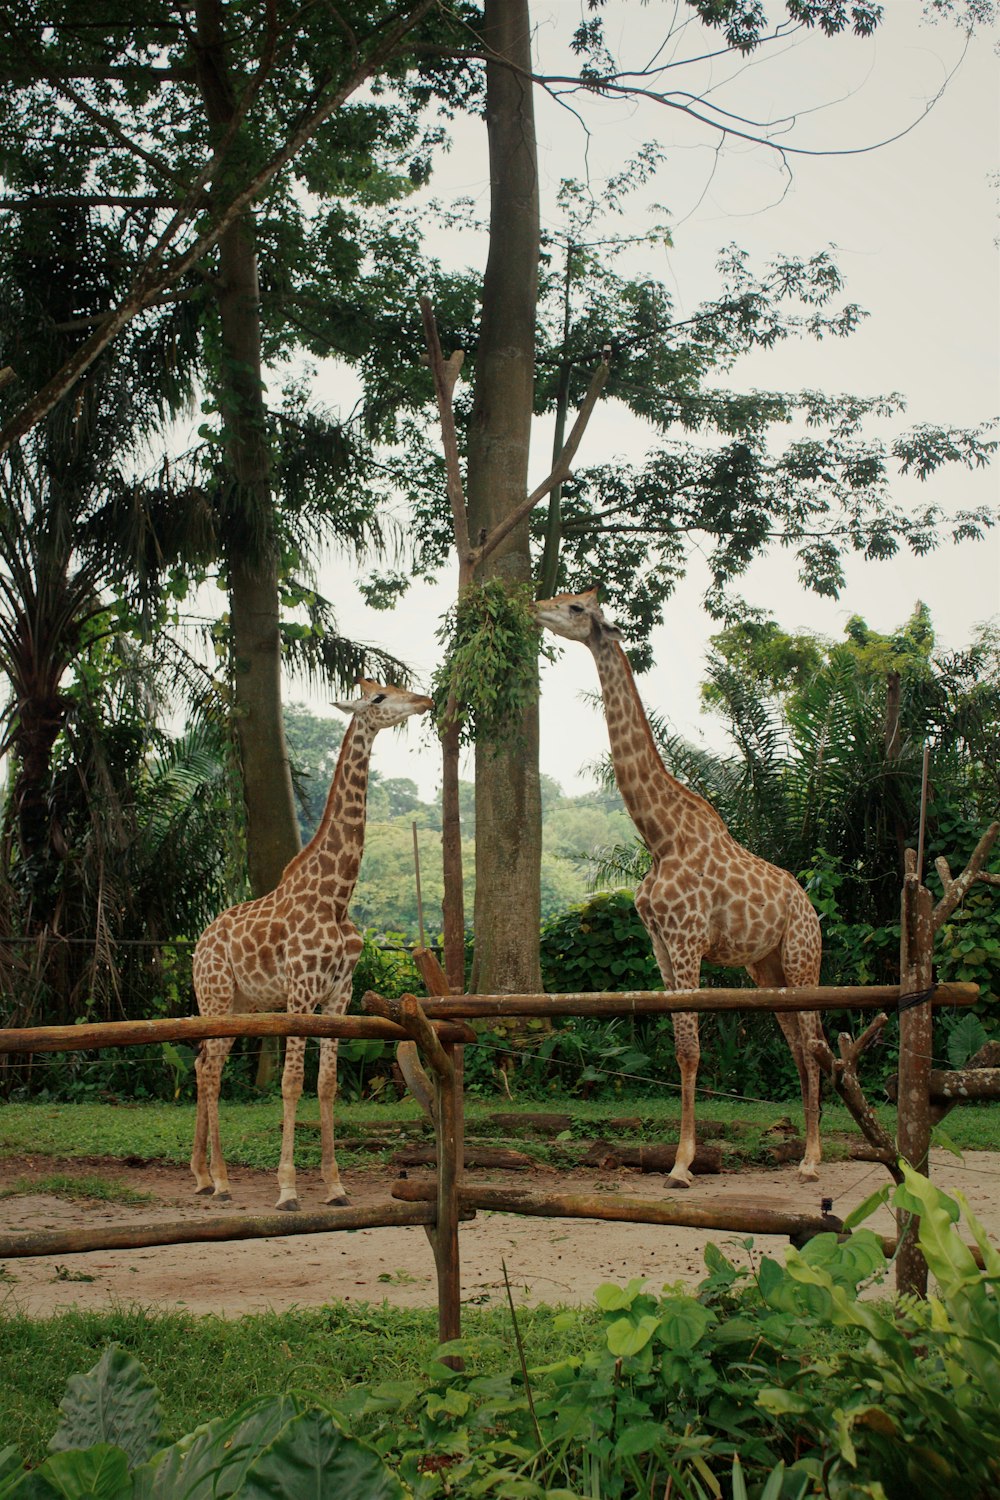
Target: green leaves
114, 1403
490, 672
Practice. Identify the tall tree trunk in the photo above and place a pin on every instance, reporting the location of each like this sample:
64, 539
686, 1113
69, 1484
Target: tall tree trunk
508, 800
272, 831
251, 551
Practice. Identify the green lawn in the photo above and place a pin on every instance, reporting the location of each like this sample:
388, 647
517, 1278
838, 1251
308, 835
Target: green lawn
252, 1135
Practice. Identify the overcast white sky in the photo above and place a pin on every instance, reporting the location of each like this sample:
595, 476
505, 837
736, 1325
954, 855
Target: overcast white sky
915, 225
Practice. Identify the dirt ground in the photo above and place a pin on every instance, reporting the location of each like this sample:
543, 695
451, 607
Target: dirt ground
547, 1260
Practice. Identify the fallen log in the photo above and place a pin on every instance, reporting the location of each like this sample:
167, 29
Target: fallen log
792, 1149
475, 1156
651, 1156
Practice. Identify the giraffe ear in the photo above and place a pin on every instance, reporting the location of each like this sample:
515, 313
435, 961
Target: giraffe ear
350, 707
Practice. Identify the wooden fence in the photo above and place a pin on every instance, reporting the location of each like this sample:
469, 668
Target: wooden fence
438, 1027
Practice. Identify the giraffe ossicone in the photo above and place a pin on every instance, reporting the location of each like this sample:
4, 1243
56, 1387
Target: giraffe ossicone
705, 896
295, 950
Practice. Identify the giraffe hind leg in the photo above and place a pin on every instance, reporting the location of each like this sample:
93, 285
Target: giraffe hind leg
799, 1028
326, 1089
291, 1091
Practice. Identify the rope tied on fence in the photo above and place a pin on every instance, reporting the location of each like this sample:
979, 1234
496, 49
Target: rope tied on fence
907, 1002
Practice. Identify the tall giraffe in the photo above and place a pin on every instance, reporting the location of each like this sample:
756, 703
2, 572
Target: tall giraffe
704, 896
295, 949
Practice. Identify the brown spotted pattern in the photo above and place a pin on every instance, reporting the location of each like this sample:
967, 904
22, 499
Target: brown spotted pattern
294, 949
705, 896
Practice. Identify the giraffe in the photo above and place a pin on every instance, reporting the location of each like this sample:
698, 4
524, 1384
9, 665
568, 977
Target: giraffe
295, 949
704, 896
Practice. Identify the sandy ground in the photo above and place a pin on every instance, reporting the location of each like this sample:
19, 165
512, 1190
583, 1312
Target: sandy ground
547, 1260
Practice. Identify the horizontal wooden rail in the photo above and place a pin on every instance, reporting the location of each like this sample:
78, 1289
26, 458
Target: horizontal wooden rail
196, 1028
615, 1206
671, 1212
31, 1242
657, 1002
964, 1083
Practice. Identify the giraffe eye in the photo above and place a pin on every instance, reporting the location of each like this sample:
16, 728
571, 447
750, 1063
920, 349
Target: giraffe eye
378, 698
576, 609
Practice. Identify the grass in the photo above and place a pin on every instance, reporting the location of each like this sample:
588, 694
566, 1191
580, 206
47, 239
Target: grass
251, 1132
205, 1366
88, 1188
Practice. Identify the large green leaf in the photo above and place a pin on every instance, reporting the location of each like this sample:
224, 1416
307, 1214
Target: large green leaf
116, 1403
214, 1460
312, 1459
100, 1473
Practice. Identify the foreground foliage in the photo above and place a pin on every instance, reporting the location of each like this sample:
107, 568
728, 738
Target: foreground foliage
791, 1386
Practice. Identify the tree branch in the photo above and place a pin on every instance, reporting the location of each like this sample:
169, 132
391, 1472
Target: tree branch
955, 889
445, 373
842, 1072
149, 283
560, 472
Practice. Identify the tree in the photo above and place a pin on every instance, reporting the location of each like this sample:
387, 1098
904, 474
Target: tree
195, 117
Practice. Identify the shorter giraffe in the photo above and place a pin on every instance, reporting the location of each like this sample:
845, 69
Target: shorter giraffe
704, 896
295, 949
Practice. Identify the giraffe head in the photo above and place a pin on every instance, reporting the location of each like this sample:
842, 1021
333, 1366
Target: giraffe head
578, 617
381, 706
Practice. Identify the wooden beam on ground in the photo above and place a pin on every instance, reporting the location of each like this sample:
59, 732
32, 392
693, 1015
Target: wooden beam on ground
97, 1034
655, 1002
34, 1242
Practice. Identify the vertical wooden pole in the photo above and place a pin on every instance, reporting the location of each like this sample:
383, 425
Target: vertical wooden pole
446, 1061
913, 1132
449, 1134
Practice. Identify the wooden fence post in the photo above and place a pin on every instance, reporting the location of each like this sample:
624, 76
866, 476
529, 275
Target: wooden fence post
913, 1130
446, 1064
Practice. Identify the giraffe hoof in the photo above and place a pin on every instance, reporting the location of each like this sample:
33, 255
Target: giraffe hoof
203, 1192
289, 1206
808, 1173
673, 1183
223, 1197
338, 1200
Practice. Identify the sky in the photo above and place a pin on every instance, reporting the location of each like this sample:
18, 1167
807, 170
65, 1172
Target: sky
916, 230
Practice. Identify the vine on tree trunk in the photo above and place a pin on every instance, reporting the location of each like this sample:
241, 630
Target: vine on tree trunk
490, 669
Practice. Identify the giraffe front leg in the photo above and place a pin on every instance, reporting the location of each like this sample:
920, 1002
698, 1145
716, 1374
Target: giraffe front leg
688, 1052
326, 1089
207, 1161
679, 962
291, 1091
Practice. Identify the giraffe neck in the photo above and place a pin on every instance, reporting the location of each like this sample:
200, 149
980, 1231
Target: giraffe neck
332, 856
655, 800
